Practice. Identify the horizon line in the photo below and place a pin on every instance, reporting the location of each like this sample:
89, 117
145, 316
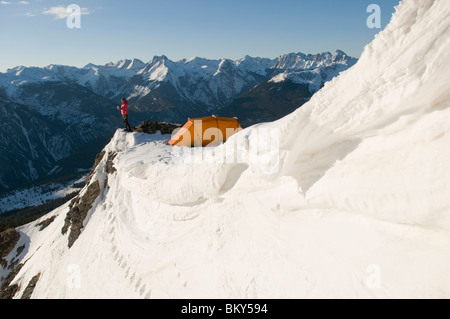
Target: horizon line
173, 60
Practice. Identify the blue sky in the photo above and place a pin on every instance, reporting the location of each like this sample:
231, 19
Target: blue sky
33, 35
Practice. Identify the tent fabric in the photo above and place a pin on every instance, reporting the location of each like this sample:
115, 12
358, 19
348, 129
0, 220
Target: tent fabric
206, 131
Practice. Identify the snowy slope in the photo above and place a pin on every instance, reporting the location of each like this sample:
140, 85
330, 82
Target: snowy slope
351, 200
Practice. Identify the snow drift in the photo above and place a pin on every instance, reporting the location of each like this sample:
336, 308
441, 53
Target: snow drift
356, 205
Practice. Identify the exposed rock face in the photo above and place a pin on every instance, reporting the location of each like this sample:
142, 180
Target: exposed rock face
8, 291
8, 240
150, 127
110, 169
30, 288
45, 223
82, 204
79, 208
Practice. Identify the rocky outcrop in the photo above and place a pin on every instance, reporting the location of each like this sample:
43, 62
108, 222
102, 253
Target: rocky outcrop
110, 169
150, 127
45, 223
8, 240
30, 288
7, 291
79, 208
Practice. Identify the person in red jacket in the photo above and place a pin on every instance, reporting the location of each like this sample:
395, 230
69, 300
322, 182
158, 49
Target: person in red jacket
124, 110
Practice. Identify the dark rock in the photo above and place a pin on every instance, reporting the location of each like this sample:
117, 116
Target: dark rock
110, 169
13, 264
150, 127
30, 288
8, 240
80, 206
45, 223
19, 250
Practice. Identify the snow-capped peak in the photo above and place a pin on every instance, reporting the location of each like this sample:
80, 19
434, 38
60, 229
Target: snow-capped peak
158, 58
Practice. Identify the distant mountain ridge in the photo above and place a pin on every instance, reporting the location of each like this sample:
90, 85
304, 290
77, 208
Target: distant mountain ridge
162, 86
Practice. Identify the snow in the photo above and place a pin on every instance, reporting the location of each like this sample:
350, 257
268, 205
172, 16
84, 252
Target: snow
37, 195
159, 73
351, 200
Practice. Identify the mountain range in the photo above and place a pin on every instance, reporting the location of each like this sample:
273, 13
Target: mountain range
59, 117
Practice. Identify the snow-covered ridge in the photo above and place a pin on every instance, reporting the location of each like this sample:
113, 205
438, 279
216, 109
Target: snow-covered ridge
356, 207
122, 68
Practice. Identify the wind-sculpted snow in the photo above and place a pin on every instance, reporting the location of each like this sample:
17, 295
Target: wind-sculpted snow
385, 119
345, 198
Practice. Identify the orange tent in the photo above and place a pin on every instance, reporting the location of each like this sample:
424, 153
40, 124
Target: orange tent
206, 131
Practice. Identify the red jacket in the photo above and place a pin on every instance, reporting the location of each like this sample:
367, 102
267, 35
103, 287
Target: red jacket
124, 108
